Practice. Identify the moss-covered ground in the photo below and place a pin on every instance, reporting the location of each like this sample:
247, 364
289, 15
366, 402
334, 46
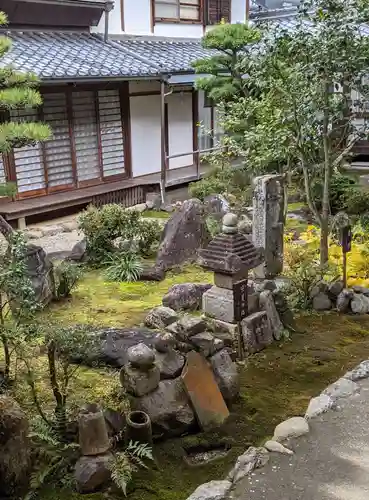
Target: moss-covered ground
276, 384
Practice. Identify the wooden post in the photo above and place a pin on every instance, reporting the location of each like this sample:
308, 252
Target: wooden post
346, 236
163, 140
344, 267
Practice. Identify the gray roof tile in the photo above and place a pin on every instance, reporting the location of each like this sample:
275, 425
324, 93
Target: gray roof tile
57, 55
61, 55
167, 55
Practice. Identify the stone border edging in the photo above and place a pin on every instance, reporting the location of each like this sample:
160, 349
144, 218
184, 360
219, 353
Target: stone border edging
294, 427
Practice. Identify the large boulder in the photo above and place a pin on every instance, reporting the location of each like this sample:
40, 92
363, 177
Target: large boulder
168, 408
78, 252
183, 235
113, 345
185, 296
214, 490
360, 304
226, 375
171, 364
15, 449
40, 272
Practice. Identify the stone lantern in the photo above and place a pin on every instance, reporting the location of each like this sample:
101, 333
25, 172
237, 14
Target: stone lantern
230, 255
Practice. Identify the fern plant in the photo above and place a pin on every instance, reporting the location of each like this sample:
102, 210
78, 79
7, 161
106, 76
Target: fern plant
125, 463
54, 460
123, 267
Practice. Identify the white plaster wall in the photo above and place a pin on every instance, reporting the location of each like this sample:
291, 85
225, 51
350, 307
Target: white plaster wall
179, 30
145, 134
144, 86
137, 20
180, 128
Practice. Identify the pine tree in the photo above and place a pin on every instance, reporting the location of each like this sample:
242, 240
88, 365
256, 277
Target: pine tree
17, 91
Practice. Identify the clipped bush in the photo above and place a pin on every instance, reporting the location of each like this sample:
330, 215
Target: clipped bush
102, 226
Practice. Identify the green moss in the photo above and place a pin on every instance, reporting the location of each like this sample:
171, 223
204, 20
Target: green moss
295, 225
100, 302
156, 214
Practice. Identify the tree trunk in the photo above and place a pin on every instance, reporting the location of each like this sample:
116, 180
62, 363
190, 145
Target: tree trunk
60, 410
5, 229
324, 234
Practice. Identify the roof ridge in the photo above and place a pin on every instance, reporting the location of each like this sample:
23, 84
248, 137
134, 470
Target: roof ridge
133, 54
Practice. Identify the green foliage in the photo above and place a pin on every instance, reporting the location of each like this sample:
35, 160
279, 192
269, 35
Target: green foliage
18, 91
214, 226
102, 226
8, 189
125, 266
67, 275
234, 42
53, 459
234, 184
17, 300
124, 464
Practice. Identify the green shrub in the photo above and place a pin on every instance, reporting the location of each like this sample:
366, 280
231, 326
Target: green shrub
67, 275
216, 182
125, 266
102, 226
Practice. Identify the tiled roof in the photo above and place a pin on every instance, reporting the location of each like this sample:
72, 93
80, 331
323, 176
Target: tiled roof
55, 55
167, 55
66, 55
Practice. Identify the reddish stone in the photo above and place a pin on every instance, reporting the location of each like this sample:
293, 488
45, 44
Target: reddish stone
207, 400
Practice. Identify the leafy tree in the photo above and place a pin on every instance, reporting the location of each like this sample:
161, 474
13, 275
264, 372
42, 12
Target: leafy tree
17, 91
17, 301
302, 110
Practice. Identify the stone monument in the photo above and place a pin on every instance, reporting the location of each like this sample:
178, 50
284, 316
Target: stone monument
268, 225
230, 255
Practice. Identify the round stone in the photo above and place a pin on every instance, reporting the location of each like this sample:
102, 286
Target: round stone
141, 356
230, 222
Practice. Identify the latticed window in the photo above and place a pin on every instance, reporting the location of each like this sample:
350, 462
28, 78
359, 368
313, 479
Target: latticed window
178, 10
217, 11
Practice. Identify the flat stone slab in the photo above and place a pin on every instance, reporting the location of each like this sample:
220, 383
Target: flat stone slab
203, 391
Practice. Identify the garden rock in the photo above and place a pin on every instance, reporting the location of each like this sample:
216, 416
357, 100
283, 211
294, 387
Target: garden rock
245, 226
78, 252
140, 356
275, 447
284, 311
115, 343
218, 344
334, 289
216, 206
160, 317
152, 273
266, 302
214, 490
204, 342
168, 408
184, 234
321, 302
165, 342
343, 388
92, 431
15, 456
92, 473
170, 364
188, 326
359, 372
137, 382
185, 296
319, 405
226, 375
320, 287
115, 421
360, 304
292, 428
253, 458
40, 272
344, 300
153, 201
361, 289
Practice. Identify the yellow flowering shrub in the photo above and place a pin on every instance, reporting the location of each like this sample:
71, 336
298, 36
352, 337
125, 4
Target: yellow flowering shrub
297, 253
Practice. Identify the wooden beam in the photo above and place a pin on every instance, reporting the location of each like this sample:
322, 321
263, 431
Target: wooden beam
41, 117
125, 111
195, 135
163, 138
71, 135
122, 15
